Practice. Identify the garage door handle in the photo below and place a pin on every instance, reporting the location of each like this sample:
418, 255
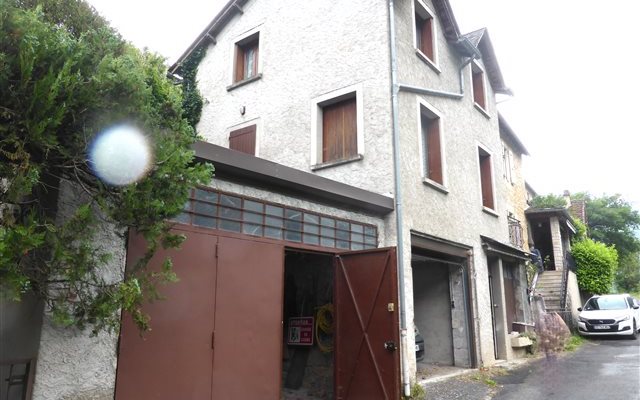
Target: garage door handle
391, 346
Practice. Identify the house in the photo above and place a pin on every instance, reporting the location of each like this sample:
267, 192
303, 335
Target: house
364, 175
551, 232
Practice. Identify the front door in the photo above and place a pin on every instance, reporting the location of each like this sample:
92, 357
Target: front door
367, 356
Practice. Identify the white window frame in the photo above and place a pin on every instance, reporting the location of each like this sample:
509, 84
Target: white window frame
421, 146
492, 211
317, 105
420, 7
475, 65
255, 121
232, 67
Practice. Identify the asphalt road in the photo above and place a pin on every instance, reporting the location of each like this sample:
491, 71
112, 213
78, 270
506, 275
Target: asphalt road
601, 369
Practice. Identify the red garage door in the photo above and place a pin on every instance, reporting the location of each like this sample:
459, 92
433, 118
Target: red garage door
367, 358
218, 332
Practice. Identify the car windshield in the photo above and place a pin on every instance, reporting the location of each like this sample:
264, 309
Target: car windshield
606, 303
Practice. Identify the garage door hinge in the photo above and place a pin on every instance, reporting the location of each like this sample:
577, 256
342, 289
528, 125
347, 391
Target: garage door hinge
213, 336
216, 250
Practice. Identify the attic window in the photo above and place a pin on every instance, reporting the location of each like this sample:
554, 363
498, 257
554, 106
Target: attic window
425, 33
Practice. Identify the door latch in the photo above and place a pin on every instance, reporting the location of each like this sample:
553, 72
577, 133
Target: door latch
390, 345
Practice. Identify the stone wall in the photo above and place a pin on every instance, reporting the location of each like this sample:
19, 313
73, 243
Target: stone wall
72, 364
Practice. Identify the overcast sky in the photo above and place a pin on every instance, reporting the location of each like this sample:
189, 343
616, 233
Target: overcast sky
574, 66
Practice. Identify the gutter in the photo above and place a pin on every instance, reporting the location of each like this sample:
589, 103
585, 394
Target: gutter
395, 88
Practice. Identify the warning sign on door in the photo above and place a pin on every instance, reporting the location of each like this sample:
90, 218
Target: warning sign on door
300, 331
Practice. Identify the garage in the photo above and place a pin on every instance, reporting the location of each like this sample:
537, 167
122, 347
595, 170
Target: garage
225, 329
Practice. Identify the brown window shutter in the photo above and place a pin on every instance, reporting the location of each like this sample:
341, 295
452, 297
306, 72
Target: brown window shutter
243, 140
486, 180
478, 88
239, 70
339, 130
433, 147
427, 38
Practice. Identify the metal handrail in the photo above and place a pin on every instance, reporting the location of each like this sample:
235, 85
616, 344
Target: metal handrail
532, 288
565, 282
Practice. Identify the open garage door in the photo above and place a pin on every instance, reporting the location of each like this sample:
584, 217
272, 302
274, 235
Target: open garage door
367, 356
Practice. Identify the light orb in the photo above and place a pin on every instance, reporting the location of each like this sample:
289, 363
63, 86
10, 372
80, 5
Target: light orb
120, 155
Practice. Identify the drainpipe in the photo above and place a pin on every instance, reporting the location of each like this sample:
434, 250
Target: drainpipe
474, 304
406, 381
440, 93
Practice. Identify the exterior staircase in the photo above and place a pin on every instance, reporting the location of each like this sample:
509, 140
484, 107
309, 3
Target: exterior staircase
550, 287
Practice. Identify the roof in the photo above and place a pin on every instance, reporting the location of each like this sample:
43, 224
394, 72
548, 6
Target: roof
530, 188
443, 9
561, 212
495, 246
480, 39
241, 167
508, 134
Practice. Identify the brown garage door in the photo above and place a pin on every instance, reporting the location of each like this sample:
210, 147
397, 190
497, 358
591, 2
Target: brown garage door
173, 361
218, 333
367, 356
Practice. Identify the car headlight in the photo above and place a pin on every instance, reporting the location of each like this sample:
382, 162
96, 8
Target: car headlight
582, 319
625, 318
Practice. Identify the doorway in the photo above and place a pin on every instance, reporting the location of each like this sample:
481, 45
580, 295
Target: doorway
308, 326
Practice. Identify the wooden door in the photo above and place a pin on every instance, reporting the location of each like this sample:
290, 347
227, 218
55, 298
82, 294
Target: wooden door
367, 353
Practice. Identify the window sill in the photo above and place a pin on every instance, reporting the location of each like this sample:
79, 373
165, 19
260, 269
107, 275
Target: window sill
437, 186
244, 82
336, 163
427, 61
490, 211
482, 110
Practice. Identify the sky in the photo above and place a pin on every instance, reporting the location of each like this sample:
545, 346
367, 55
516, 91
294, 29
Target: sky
573, 66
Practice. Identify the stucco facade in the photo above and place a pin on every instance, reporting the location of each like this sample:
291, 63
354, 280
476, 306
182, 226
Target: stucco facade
309, 51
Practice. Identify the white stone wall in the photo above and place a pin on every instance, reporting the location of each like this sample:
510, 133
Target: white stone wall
307, 49
73, 365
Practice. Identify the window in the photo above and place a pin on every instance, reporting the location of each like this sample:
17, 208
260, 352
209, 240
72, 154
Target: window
431, 145
425, 32
477, 77
336, 128
246, 60
486, 180
243, 139
212, 209
507, 163
339, 130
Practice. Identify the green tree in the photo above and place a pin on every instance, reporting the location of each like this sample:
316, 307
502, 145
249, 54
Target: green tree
548, 201
596, 265
66, 76
628, 273
613, 221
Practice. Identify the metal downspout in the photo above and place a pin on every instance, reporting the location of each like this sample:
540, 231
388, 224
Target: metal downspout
406, 381
439, 93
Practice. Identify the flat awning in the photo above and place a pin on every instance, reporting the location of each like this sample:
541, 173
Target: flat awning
245, 168
502, 249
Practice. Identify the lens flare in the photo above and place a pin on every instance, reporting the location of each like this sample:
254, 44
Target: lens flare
120, 155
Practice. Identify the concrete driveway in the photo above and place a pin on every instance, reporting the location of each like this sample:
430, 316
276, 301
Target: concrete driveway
603, 368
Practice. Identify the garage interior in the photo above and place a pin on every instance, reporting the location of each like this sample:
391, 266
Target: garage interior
440, 310
307, 369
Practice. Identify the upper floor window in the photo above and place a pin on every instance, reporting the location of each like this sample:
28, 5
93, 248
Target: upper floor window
246, 58
243, 139
479, 91
431, 145
425, 33
486, 178
507, 163
337, 128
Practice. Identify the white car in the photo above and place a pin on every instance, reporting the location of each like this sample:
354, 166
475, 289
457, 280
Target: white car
610, 314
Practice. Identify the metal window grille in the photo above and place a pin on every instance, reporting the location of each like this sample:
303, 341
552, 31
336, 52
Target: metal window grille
213, 209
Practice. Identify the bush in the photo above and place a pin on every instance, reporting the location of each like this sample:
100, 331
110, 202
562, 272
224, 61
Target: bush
548, 201
596, 265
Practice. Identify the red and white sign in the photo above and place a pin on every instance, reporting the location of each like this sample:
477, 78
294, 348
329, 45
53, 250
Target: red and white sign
300, 331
